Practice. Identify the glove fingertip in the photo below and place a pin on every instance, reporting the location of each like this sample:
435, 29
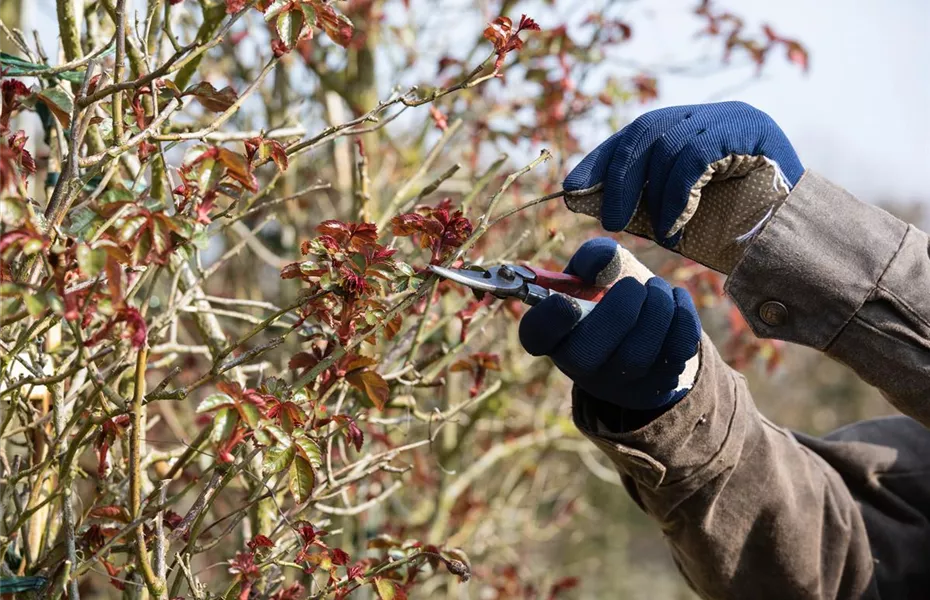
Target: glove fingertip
545, 325
661, 284
670, 242
685, 334
592, 258
584, 174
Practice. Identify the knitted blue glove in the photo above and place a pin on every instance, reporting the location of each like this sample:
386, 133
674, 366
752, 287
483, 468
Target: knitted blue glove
632, 348
712, 173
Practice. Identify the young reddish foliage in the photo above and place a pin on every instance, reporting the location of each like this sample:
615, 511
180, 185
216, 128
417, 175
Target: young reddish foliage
246, 571
111, 429
232, 6
562, 585
143, 236
14, 158
353, 368
646, 88
439, 228
350, 429
264, 149
757, 49
506, 38
212, 99
260, 541
293, 21
237, 411
478, 364
388, 590
441, 120
349, 274
295, 591
338, 27
467, 314
134, 329
11, 93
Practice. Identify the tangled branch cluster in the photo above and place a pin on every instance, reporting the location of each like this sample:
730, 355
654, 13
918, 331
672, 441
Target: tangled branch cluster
220, 341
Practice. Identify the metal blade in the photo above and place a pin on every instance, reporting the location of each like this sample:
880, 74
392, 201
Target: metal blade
477, 280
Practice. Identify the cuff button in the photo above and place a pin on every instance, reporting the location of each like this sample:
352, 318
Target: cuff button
773, 313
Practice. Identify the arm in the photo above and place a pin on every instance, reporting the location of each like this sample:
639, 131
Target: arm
826, 270
748, 511
854, 282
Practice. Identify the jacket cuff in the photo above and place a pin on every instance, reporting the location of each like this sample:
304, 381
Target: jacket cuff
684, 443
814, 264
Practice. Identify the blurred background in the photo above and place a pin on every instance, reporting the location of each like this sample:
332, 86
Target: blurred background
854, 114
848, 82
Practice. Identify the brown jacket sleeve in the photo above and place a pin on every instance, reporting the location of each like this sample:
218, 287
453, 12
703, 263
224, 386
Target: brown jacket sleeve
750, 509
847, 278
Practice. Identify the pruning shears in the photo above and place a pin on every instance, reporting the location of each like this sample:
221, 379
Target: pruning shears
529, 284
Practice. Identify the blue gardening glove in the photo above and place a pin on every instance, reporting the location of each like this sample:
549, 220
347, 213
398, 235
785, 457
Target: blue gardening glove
633, 347
698, 179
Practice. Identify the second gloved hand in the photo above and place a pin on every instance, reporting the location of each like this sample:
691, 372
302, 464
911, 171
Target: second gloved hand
632, 348
699, 179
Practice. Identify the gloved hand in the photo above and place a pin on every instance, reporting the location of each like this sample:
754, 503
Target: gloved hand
632, 348
712, 173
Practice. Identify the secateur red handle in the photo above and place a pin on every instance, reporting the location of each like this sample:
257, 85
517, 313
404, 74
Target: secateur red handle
564, 283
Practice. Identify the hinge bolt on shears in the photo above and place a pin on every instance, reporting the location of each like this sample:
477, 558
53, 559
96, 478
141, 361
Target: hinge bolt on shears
528, 284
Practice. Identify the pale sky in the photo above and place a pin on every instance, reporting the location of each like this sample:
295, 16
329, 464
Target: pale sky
861, 116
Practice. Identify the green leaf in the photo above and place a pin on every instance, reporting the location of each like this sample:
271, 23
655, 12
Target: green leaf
263, 437
116, 195
277, 387
32, 246
12, 212
300, 397
201, 239
404, 269
141, 249
309, 16
59, 103
277, 432
167, 91
129, 229
277, 458
161, 235
91, 260
215, 401
275, 8
224, 423
35, 304
300, 480
54, 302
289, 25
308, 449
250, 413
80, 221
385, 588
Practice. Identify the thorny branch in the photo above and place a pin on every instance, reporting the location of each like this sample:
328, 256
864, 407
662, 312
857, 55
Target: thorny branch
153, 254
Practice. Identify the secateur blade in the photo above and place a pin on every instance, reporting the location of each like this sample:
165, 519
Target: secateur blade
491, 280
479, 280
